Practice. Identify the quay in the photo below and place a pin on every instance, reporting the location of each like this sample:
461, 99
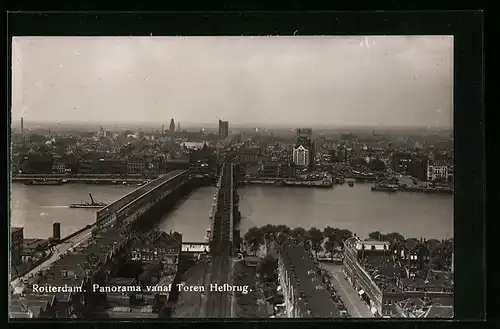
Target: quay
328, 182
87, 180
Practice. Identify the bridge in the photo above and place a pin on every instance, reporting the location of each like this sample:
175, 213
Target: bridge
223, 241
139, 200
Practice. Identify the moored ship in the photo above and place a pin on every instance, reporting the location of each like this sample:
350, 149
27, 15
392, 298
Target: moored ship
326, 183
91, 204
46, 182
385, 188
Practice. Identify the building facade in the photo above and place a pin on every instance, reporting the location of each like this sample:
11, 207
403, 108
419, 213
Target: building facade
223, 128
304, 143
437, 172
17, 241
301, 156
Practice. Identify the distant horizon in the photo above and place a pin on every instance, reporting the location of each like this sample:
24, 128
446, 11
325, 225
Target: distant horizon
27, 122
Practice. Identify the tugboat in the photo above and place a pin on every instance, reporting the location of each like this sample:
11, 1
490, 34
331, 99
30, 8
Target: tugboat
91, 204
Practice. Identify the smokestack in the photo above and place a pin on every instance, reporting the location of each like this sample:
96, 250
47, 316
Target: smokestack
56, 231
22, 125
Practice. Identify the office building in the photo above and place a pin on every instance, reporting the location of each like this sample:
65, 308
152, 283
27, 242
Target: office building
301, 156
223, 128
304, 147
172, 125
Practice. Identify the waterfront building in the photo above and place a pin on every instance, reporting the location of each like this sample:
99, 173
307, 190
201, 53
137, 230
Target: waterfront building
301, 156
410, 164
437, 172
135, 165
17, 241
36, 164
223, 128
304, 293
271, 169
304, 143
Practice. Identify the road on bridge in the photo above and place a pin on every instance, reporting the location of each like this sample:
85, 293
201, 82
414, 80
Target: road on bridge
218, 303
59, 249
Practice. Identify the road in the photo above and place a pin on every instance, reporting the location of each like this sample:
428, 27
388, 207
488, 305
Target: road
355, 306
218, 303
58, 250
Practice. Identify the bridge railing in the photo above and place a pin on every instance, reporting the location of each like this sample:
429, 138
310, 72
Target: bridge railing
151, 193
130, 197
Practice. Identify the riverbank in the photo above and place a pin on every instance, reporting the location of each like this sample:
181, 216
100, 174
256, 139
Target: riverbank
96, 181
419, 189
288, 183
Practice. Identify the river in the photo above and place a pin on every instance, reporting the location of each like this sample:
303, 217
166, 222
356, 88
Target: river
355, 208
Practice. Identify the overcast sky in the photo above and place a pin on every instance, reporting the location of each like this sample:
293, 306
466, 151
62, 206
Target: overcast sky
306, 81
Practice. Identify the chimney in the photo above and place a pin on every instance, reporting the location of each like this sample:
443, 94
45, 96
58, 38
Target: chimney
22, 125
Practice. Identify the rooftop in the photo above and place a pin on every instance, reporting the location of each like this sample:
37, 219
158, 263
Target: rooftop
16, 229
314, 300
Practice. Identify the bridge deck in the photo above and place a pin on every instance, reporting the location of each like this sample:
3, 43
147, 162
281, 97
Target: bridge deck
136, 194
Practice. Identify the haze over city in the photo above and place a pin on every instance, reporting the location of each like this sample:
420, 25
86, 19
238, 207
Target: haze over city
284, 81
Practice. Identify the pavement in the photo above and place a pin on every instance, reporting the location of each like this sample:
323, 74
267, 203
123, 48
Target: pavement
355, 306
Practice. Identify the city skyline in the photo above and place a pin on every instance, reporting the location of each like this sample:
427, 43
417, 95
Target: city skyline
273, 81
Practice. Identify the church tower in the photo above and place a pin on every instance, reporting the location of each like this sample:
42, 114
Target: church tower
172, 125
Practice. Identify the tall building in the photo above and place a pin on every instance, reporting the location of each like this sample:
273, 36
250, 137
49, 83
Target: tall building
304, 147
162, 129
223, 128
172, 125
178, 126
16, 240
301, 156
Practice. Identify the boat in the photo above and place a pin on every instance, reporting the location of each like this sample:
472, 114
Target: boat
46, 182
326, 183
91, 204
384, 188
351, 184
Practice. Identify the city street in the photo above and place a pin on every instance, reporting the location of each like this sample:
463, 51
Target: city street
355, 306
58, 250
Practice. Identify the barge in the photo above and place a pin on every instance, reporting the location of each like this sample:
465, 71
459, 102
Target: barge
46, 182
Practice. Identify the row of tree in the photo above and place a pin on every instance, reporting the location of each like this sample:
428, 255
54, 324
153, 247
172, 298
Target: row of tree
313, 238
330, 239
